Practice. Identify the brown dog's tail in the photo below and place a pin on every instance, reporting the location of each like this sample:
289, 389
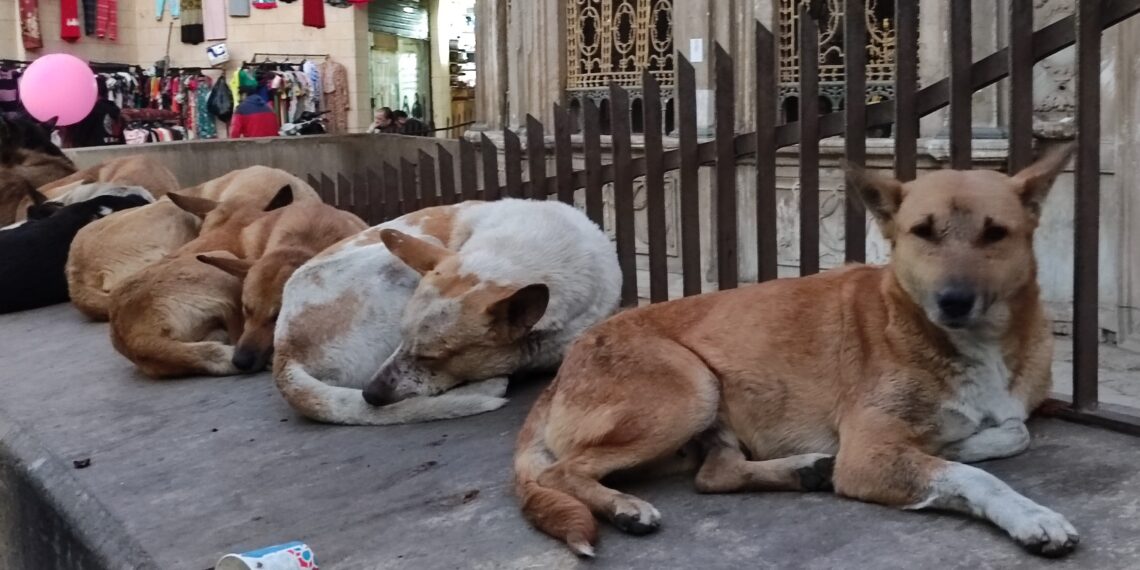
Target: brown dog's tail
554, 512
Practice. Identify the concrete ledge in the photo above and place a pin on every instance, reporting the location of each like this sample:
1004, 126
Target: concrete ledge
50, 521
197, 468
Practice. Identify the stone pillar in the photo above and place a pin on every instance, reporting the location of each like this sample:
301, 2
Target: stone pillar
1127, 139
490, 64
694, 27
536, 41
933, 55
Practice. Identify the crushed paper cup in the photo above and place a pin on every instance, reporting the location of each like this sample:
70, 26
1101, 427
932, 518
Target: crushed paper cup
291, 556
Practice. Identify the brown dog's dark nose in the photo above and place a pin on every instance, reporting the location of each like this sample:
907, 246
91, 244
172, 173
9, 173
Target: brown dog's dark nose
251, 359
956, 302
244, 360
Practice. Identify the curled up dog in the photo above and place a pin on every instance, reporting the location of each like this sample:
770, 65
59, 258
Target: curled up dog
880, 383
424, 317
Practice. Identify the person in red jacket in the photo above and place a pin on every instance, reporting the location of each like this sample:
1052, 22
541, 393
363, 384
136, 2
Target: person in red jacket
253, 118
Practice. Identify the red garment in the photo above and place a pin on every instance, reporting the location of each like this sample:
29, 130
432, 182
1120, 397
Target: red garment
107, 19
254, 125
70, 28
313, 14
30, 24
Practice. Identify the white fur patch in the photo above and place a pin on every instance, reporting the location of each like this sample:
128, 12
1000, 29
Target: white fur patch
967, 489
982, 397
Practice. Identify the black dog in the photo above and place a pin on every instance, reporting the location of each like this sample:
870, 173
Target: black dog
27, 134
33, 256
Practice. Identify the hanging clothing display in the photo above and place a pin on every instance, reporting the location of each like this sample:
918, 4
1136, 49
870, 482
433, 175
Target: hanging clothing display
107, 19
311, 70
313, 14
160, 7
204, 126
30, 31
239, 8
214, 16
193, 31
334, 79
89, 7
69, 28
10, 106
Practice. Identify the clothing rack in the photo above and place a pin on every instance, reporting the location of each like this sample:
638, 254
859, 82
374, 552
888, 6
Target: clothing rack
287, 56
96, 66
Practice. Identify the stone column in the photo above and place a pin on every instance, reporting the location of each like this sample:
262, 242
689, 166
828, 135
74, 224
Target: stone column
1127, 139
536, 43
490, 64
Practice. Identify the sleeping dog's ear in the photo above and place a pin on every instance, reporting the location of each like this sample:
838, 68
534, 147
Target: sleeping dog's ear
236, 267
193, 204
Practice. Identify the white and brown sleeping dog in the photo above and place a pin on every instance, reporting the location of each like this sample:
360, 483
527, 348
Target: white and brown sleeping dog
429, 313
882, 383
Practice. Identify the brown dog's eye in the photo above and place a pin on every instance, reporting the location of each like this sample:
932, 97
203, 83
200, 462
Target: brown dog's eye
924, 230
994, 234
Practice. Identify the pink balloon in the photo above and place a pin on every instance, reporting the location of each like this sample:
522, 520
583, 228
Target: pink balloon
59, 85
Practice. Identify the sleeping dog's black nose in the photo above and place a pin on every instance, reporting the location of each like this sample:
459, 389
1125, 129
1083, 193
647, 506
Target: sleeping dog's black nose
956, 302
379, 393
245, 360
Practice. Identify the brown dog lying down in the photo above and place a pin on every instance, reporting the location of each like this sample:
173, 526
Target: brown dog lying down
176, 317
21, 169
112, 249
137, 170
878, 382
275, 246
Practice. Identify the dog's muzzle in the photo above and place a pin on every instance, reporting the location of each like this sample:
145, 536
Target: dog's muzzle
955, 304
380, 393
248, 360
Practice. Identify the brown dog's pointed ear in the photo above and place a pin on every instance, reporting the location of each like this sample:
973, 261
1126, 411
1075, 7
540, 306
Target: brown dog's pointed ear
1035, 180
517, 312
49, 125
417, 253
283, 198
236, 267
193, 204
882, 195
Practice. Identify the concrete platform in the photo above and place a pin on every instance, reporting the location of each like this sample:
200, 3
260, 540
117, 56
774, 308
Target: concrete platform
184, 471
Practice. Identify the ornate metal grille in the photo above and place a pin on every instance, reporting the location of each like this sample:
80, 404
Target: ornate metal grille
616, 40
880, 53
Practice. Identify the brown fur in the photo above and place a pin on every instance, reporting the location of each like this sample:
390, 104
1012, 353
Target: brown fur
846, 363
139, 170
30, 169
179, 317
275, 246
112, 249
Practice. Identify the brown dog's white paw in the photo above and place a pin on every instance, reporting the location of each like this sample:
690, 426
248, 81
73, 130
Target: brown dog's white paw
635, 516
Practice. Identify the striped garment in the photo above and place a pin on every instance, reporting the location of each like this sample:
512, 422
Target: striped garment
107, 19
9, 93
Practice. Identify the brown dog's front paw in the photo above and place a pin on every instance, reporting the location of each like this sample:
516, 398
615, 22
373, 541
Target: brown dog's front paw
634, 516
817, 476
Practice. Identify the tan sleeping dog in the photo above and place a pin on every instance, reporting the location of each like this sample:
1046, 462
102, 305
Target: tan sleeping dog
179, 316
879, 382
21, 170
275, 246
138, 170
109, 250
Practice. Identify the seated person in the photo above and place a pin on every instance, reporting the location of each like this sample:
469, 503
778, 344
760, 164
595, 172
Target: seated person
253, 117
